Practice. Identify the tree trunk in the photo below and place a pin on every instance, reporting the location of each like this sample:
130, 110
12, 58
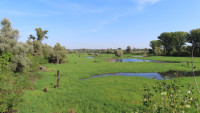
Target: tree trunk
57, 58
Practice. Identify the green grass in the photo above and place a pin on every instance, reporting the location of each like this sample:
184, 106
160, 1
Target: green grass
95, 95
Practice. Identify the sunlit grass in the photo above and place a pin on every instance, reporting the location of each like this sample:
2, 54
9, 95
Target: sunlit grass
104, 94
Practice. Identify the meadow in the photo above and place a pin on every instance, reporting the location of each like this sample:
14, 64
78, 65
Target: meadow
117, 94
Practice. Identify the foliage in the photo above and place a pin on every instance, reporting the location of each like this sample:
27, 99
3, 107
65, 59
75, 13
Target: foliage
119, 53
170, 97
9, 86
173, 43
194, 39
128, 49
157, 51
179, 39
8, 43
155, 44
59, 54
7, 31
47, 51
40, 34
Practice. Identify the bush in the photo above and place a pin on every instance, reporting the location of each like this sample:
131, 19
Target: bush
59, 54
119, 53
170, 97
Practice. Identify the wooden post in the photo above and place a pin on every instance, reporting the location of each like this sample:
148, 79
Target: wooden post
58, 73
58, 80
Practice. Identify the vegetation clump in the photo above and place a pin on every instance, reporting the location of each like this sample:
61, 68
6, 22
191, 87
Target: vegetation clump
170, 97
119, 53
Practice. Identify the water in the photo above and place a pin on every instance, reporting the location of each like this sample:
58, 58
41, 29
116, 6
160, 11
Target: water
132, 60
159, 76
146, 75
89, 57
138, 56
140, 60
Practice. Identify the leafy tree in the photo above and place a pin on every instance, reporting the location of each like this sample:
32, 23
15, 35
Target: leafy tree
194, 39
59, 54
157, 51
47, 50
119, 53
179, 39
7, 31
128, 49
167, 41
8, 43
40, 34
155, 44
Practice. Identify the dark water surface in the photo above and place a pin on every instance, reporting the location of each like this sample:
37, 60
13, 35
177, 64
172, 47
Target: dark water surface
158, 76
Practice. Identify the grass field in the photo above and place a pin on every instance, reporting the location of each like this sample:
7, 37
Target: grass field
108, 94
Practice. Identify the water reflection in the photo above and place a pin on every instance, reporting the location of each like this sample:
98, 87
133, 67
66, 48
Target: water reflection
132, 60
139, 60
158, 76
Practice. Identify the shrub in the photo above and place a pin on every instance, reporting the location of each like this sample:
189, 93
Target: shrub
170, 97
59, 54
119, 53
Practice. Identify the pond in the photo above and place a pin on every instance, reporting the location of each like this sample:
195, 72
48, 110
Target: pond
158, 76
138, 60
138, 56
132, 60
89, 57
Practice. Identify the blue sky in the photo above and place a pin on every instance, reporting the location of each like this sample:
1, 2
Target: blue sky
101, 23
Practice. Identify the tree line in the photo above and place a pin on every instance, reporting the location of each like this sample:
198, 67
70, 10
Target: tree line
175, 43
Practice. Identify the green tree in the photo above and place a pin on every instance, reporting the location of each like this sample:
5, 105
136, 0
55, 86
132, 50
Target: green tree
37, 41
7, 31
59, 54
40, 34
8, 43
167, 41
128, 49
157, 51
155, 44
194, 39
179, 39
119, 53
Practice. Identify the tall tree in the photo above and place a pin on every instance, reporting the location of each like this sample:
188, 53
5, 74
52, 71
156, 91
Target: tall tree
167, 41
59, 54
155, 43
7, 31
8, 43
128, 49
194, 39
37, 41
40, 34
179, 39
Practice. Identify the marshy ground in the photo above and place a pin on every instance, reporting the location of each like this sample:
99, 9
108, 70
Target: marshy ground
101, 94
